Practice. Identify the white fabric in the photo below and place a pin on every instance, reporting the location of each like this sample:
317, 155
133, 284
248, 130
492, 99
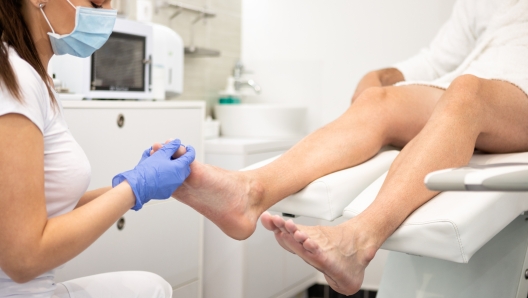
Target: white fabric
66, 167
485, 38
452, 226
325, 198
125, 284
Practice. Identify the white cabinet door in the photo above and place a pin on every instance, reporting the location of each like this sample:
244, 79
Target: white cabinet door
162, 238
165, 236
264, 265
271, 270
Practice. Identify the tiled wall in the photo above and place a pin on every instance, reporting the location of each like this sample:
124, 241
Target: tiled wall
205, 76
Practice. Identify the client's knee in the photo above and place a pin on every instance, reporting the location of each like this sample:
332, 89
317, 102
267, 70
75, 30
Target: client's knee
373, 107
372, 95
377, 103
370, 102
463, 97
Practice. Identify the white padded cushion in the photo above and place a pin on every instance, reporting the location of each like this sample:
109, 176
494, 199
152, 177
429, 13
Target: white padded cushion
453, 225
326, 197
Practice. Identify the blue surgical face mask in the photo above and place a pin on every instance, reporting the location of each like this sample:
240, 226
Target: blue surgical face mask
93, 27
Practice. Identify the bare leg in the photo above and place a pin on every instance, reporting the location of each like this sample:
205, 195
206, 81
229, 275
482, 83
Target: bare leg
473, 112
235, 200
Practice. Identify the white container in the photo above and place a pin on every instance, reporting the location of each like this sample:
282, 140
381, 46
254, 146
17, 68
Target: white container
261, 120
167, 62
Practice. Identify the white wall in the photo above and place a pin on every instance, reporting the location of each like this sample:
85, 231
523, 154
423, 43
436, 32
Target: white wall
314, 52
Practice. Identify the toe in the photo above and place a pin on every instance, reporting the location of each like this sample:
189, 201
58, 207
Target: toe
314, 259
155, 147
310, 246
290, 226
279, 222
181, 151
300, 236
267, 221
292, 245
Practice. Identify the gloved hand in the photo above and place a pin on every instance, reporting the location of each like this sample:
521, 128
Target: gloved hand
145, 155
158, 176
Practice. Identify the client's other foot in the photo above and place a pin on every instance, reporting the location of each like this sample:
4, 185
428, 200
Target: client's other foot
341, 253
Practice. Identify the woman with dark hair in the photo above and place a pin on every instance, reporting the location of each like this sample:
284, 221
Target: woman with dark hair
46, 215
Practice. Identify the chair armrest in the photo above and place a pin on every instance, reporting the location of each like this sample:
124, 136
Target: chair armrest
494, 177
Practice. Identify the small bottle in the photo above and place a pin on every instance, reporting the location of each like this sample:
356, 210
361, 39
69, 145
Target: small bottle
229, 95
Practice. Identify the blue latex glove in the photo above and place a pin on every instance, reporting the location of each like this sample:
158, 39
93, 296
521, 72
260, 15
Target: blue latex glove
145, 155
158, 176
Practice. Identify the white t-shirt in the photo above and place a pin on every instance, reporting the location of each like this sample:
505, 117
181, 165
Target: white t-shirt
66, 167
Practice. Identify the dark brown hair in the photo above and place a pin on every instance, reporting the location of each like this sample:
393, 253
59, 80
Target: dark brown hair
15, 33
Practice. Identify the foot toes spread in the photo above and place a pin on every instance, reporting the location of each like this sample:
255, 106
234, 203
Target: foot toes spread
319, 247
293, 245
290, 226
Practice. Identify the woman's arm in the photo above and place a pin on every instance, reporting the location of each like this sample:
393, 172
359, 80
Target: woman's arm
30, 243
378, 78
91, 195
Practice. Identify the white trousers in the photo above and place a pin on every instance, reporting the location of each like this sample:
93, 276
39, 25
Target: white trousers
136, 284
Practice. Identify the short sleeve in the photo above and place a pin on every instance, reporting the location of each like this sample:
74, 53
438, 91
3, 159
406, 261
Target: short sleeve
35, 99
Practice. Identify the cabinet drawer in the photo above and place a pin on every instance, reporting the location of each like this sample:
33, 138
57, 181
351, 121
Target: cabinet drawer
112, 148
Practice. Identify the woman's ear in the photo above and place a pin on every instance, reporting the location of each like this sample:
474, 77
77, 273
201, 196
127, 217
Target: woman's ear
38, 3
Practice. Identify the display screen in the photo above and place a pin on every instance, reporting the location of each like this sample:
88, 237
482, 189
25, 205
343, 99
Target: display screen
119, 64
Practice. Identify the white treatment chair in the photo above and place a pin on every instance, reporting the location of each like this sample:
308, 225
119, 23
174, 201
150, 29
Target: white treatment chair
459, 244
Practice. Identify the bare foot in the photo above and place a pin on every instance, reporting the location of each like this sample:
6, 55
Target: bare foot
341, 253
229, 199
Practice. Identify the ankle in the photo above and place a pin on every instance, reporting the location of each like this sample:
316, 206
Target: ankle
256, 193
365, 238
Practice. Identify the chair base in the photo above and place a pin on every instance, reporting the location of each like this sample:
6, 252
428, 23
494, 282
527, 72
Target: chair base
496, 270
